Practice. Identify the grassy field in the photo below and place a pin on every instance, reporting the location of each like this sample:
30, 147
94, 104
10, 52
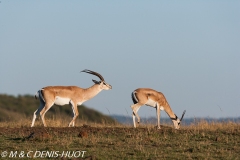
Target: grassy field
201, 140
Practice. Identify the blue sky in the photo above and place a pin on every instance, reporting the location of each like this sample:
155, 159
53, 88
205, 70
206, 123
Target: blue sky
188, 50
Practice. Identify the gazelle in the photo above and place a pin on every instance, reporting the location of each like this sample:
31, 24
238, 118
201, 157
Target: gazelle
150, 97
73, 95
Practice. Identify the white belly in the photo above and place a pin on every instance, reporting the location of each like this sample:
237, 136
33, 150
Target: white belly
151, 103
61, 101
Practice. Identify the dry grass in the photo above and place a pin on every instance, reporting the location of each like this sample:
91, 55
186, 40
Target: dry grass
104, 141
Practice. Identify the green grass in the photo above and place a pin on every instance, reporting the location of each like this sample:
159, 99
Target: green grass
113, 141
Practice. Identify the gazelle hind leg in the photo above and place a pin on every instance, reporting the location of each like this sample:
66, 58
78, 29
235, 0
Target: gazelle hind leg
44, 111
34, 117
37, 112
134, 121
135, 108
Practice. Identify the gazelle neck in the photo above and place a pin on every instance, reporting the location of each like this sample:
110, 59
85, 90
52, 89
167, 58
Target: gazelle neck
173, 117
169, 111
92, 91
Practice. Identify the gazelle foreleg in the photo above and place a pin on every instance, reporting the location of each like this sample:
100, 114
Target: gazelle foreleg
135, 108
158, 116
75, 114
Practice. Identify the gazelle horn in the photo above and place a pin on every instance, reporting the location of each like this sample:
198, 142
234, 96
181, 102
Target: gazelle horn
183, 115
94, 73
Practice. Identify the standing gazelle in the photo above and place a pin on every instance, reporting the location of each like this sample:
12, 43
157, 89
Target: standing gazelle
150, 97
73, 95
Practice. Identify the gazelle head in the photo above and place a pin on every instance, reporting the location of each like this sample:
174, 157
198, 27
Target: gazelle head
102, 83
176, 121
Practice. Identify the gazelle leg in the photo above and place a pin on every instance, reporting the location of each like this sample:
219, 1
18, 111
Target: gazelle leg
44, 111
75, 114
158, 116
37, 112
34, 117
134, 121
135, 108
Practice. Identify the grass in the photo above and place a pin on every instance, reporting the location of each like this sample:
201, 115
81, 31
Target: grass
201, 140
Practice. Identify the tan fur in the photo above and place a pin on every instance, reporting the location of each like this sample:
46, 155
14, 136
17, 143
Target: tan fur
62, 95
145, 95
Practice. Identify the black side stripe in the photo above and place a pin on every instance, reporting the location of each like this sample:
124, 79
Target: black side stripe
134, 98
41, 95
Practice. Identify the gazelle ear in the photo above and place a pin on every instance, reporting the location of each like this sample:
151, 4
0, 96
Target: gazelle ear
96, 82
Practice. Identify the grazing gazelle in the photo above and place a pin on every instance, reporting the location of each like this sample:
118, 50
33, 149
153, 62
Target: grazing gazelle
73, 95
150, 97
